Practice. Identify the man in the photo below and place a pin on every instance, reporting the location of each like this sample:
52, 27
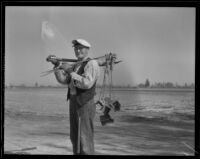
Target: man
81, 80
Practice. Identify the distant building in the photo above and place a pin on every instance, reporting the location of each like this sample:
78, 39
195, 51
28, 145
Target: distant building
147, 83
36, 84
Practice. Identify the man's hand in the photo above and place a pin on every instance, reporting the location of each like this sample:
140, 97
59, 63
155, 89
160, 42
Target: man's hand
114, 56
67, 67
111, 56
53, 60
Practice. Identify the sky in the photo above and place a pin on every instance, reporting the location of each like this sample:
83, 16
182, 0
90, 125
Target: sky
157, 43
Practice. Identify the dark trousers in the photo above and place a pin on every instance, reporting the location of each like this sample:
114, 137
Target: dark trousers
86, 114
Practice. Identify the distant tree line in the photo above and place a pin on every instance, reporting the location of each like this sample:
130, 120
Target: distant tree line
146, 84
164, 85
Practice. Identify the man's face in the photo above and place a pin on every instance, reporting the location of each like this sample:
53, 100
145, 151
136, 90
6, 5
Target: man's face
80, 51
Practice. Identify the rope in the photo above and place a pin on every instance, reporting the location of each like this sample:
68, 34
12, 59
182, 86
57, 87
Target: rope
110, 80
102, 91
108, 70
111, 73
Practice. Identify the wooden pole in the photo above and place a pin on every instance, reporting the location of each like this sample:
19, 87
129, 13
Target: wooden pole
101, 62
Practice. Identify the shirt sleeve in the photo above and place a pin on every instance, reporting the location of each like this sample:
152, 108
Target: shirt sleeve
89, 77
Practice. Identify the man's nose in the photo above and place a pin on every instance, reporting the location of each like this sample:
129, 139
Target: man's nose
78, 50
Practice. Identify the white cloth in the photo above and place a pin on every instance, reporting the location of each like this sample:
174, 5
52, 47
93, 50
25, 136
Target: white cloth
87, 79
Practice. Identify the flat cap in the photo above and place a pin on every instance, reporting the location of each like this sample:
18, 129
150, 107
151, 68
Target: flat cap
81, 42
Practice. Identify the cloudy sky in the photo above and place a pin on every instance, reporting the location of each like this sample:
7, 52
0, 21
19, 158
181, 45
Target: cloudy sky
157, 43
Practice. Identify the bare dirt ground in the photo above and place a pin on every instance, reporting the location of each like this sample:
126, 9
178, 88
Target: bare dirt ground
129, 135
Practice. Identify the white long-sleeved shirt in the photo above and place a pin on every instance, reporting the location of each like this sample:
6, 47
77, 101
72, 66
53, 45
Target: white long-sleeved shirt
87, 79
84, 81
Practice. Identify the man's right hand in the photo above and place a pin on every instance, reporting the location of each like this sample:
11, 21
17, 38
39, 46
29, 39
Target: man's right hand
53, 60
66, 67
